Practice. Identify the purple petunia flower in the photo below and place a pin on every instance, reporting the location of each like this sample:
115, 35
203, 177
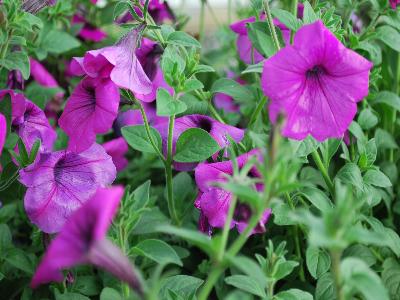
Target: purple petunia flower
247, 53
117, 148
82, 240
17, 103
15, 81
213, 202
41, 75
88, 32
316, 83
3, 131
216, 129
394, 3
60, 182
33, 125
119, 63
91, 109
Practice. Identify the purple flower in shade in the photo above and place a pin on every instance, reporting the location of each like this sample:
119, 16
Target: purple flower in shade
33, 125
41, 75
356, 22
34, 6
226, 102
82, 240
217, 130
213, 202
247, 52
316, 83
394, 3
119, 63
3, 131
15, 81
117, 148
60, 182
91, 109
88, 31
17, 103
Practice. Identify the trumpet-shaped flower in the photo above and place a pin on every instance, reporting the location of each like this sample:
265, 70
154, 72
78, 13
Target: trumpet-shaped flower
91, 109
213, 202
217, 130
60, 182
316, 83
82, 240
117, 148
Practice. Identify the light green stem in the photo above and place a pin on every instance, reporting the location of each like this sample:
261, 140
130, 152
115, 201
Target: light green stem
271, 25
323, 171
227, 227
335, 269
294, 12
168, 172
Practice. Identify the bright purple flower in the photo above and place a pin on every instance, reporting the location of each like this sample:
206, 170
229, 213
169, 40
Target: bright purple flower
88, 31
60, 182
15, 81
247, 52
217, 130
117, 148
394, 3
316, 83
356, 22
82, 240
119, 63
33, 125
213, 202
91, 109
3, 131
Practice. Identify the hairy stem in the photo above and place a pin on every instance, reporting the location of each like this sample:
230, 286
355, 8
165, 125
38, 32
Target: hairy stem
271, 25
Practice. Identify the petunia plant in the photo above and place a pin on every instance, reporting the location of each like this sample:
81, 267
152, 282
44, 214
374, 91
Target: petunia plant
151, 150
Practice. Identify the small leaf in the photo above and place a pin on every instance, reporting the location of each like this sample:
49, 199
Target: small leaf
293, 294
309, 16
159, 251
351, 174
247, 284
167, 105
390, 36
136, 137
325, 288
232, 88
17, 60
110, 294
286, 18
192, 85
377, 178
183, 39
318, 261
182, 285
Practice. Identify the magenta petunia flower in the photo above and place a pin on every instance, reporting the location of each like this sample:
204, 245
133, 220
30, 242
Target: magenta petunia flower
91, 109
247, 53
217, 130
119, 63
213, 202
41, 75
394, 3
60, 182
88, 31
3, 131
117, 148
17, 103
82, 240
316, 83
33, 125
15, 80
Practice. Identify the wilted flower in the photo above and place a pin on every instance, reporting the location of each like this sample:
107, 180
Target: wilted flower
88, 32
117, 148
60, 182
316, 83
82, 240
217, 130
213, 202
119, 63
33, 6
3, 131
91, 109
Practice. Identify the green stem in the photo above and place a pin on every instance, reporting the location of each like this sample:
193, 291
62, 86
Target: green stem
271, 25
323, 171
168, 172
225, 232
257, 111
394, 111
335, 269
295, 3
202, 17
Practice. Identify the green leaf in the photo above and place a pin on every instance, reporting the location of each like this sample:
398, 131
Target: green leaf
351, 174
305, 147
136, 137
390, 36
373, 49
309, 16
141, 196
249, 267
182, 285
58, 42
5, 238
17, 60
256, 68
20, 260
192, 85
388, 98
362, 252
367, 119
286, 18
317, 198
293, 294
358, 276
203, 69
384, 140
318, 261
110, 294
261, 39
167, 105
325, 288
87, 285
194, 105
159, 251
195, 145
391, 277
377, 178
232, 88
6, 110
247, 284
183, 39
71, 296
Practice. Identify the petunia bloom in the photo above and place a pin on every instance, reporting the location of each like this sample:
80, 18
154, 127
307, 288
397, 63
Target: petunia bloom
88, 32
117, 148
213, 202
15, 81
3, 131
60, 182
82, 240
91, 109
217, 130
247, 53
316, 83
17, 103
394, 3
119, 63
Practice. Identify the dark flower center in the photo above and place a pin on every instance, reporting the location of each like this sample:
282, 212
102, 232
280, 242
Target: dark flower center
242, 213
205, 124
315, 72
